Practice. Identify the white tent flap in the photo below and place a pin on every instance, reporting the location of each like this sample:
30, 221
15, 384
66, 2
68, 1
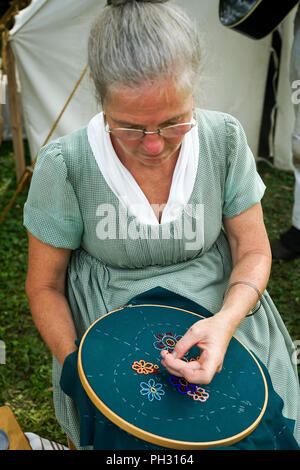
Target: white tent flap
49, 41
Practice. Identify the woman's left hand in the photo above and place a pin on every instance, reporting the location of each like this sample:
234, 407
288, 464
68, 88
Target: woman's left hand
212, 336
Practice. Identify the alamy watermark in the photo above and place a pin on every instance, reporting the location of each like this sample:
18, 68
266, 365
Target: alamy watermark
2, 352
296, 93
3, 86
296, 353
131, 223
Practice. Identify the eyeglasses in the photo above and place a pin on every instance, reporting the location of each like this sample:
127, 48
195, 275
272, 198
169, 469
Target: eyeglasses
168, 132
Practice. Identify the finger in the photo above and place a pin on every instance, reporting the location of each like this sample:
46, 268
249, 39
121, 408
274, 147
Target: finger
172, 371
175, 366
204, 373
179, 367
188, 340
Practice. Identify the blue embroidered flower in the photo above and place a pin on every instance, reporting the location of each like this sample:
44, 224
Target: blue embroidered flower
182, 385
152, 390
166, 341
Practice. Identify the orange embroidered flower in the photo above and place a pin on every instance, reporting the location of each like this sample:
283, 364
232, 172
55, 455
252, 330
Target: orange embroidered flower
143, 367
193, 359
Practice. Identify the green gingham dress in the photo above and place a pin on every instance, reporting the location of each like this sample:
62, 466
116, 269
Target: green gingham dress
62, 209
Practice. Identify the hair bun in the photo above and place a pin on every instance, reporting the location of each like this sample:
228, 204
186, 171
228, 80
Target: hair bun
117, 3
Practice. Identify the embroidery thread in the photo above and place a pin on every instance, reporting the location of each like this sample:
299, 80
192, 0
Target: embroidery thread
200, 394
166, 341
152, 389
193, 359
182, 385
143, 367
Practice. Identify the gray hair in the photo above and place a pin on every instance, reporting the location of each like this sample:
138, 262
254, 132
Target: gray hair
133, 42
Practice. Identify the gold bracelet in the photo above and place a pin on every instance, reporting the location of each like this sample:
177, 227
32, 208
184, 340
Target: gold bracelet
250, 285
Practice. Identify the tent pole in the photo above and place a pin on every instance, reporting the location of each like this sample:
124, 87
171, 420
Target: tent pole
15, 113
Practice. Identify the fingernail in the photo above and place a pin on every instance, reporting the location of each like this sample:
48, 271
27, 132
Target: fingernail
174, 354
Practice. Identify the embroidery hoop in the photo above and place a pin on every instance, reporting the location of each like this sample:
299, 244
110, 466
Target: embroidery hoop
156, 438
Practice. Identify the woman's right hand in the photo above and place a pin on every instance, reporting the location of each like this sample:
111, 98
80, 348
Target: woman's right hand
212, 336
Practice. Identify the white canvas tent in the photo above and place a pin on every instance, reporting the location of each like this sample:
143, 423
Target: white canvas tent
49, 44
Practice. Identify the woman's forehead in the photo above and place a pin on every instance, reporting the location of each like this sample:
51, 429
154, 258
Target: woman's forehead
158, 102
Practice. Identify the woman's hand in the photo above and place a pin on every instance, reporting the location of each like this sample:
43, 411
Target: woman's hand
212, 335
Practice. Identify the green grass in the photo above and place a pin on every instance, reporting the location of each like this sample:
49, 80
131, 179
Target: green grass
284, 284
25, 379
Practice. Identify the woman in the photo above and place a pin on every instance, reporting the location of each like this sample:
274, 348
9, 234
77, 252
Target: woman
148, 163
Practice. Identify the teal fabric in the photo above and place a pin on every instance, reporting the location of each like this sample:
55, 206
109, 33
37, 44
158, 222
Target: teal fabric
273, 433
62, 209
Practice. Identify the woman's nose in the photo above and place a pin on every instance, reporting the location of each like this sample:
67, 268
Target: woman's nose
153, 143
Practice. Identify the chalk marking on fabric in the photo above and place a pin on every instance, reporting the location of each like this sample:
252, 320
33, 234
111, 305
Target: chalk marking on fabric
246, 402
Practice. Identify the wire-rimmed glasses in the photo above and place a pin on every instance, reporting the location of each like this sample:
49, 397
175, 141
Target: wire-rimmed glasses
168, 132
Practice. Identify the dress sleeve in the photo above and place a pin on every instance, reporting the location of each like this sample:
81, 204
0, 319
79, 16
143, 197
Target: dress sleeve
51, 212
243, 186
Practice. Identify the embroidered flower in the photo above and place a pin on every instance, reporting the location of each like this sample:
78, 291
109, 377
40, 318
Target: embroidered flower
143, 367
182, 385
193, 359
166, 341
200, 394
152, 389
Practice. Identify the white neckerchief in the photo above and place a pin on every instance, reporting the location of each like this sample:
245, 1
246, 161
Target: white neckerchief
125, 187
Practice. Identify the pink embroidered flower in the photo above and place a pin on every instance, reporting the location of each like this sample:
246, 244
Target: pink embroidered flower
199, 395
